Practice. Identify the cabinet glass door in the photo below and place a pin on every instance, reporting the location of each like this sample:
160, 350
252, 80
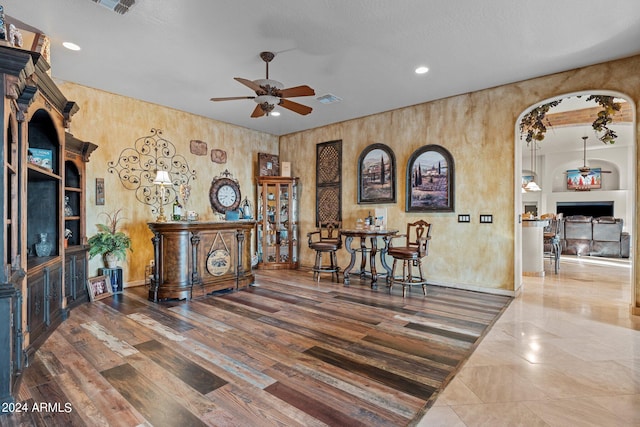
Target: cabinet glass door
277, 223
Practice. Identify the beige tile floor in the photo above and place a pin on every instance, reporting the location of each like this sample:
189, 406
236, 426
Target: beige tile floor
565, 353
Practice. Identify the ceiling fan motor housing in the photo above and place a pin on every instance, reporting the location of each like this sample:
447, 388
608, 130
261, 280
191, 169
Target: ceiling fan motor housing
269, 86
270, 93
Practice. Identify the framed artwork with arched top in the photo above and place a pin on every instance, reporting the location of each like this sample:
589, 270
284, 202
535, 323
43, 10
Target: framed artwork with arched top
377, 175
430, 180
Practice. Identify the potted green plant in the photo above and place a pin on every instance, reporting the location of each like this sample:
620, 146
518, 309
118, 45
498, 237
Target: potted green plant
110, 242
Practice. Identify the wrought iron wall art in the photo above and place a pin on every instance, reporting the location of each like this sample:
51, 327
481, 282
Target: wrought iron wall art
137, 166
329, 181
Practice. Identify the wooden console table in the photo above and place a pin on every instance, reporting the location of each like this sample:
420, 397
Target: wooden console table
196, 258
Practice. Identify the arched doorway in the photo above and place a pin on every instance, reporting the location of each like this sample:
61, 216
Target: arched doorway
569, 123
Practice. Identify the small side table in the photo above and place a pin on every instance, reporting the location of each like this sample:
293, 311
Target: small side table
115, 275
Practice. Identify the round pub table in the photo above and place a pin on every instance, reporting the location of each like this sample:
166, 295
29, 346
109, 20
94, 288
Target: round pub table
372, 249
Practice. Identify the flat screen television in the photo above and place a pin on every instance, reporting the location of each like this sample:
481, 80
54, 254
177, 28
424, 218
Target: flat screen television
594, 209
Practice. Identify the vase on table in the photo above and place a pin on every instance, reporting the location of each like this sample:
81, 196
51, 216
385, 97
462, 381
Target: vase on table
43, 247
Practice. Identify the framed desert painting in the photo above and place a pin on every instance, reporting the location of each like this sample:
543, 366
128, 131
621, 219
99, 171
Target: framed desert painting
377, 175
430, 180
580, 180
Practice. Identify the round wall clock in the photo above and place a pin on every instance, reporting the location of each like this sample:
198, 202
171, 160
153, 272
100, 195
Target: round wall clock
218, 262
224, 194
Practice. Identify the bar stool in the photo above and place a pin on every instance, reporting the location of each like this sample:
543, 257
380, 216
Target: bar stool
416, 244
551, 236
326, 239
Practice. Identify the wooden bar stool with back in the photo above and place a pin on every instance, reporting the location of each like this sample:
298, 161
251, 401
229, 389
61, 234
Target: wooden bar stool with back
416, 245
326, 239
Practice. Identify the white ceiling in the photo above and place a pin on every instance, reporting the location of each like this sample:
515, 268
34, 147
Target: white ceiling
181, 53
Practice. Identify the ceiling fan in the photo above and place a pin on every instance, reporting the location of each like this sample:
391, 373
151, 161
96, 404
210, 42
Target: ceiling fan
270, 93
584, 169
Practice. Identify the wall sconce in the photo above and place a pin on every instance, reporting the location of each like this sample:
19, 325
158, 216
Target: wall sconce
162, 179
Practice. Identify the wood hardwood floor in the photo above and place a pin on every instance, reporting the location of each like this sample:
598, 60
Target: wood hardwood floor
287, 352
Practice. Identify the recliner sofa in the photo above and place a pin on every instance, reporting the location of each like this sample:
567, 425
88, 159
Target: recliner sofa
602, 236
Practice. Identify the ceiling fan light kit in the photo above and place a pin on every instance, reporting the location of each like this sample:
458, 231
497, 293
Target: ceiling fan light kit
270, 93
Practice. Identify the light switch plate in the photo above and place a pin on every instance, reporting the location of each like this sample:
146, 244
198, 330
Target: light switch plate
464, 218
486, 218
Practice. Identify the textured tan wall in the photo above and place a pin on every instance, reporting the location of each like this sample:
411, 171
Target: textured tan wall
479, 131
114, 123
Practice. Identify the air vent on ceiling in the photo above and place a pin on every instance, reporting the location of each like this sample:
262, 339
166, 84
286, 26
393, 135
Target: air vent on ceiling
118, 6
328, 99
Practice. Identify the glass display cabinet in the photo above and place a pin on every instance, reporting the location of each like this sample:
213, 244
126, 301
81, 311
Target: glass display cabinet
277, 222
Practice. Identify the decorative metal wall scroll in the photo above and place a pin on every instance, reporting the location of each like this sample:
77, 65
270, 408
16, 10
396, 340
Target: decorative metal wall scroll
136, 167
329, 181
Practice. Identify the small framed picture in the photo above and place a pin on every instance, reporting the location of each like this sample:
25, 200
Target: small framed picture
99, 287
268, 164
99, 191
40, 157
286, 169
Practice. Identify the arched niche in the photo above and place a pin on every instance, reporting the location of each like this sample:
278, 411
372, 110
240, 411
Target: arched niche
610, 174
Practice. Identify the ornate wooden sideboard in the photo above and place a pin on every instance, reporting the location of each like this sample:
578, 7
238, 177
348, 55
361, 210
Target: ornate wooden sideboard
193, 259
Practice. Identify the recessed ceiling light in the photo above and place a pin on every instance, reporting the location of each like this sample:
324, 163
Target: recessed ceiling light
422, 70
71, 46
274, 113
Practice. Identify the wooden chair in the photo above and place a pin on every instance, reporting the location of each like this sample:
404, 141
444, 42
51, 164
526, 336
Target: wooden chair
416, 245
326, 239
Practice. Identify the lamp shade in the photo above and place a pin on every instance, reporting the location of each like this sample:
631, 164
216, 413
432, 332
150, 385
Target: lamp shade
162, 178
532, 186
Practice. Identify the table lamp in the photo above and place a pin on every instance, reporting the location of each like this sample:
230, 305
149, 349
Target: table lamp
162, 179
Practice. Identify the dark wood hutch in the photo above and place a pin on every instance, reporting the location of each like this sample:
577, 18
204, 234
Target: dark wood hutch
40, 163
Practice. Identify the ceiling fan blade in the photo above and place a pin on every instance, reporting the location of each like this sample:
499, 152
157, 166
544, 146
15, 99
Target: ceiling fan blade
251, 85
295, 107
232, 98
257, 112
291, 92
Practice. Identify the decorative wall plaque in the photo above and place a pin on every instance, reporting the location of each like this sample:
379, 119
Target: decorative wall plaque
218, 156
199, 148
268, 164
